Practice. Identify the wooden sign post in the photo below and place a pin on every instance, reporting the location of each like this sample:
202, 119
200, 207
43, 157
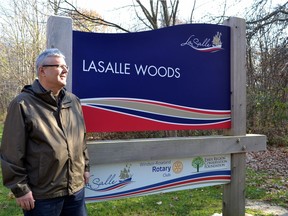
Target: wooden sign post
234, 193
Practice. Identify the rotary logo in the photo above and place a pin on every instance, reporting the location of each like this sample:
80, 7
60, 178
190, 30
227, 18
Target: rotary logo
177, 167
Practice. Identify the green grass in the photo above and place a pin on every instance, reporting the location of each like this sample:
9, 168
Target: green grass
201, 201
197, 202
205, 201
268, 187
8, 205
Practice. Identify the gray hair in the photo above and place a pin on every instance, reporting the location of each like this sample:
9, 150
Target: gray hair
45, 54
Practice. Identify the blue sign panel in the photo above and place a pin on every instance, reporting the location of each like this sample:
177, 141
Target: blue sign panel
174, 78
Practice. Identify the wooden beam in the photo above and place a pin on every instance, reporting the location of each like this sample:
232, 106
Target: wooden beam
118, 151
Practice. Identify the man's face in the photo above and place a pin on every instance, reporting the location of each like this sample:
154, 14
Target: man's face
54, 73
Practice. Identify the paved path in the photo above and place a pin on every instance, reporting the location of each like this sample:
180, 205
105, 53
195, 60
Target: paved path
266, 208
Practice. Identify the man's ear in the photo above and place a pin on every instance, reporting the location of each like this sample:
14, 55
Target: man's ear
41, 72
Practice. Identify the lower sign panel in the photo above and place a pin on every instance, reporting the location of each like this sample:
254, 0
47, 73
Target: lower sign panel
116, 181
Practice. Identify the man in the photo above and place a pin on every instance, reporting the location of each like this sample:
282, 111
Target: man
43, 152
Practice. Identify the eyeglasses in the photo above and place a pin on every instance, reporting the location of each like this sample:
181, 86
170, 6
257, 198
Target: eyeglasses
58, 66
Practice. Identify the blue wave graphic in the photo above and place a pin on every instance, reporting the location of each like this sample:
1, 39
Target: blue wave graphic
161, 118
186, 180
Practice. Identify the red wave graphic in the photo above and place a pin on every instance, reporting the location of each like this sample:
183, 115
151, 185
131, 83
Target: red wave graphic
98, 120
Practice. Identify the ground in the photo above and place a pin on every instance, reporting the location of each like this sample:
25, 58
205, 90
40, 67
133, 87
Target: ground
266, 208
274, 160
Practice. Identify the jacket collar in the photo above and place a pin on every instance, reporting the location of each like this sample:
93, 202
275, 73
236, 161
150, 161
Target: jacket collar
37, 89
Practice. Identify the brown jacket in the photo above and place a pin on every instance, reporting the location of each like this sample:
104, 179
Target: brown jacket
43, 147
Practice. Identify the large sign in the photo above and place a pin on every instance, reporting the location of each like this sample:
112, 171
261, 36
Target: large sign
115, 181
174, 78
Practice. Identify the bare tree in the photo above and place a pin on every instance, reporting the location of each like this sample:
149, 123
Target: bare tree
267, 69
91, 18
160, 14
266, 56
22, 29
22, 37
168, 13
82, 23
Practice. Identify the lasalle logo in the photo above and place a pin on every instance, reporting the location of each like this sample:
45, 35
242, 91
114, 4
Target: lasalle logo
111, 182
209, 45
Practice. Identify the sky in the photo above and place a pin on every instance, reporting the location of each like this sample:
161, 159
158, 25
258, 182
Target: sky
114, 10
